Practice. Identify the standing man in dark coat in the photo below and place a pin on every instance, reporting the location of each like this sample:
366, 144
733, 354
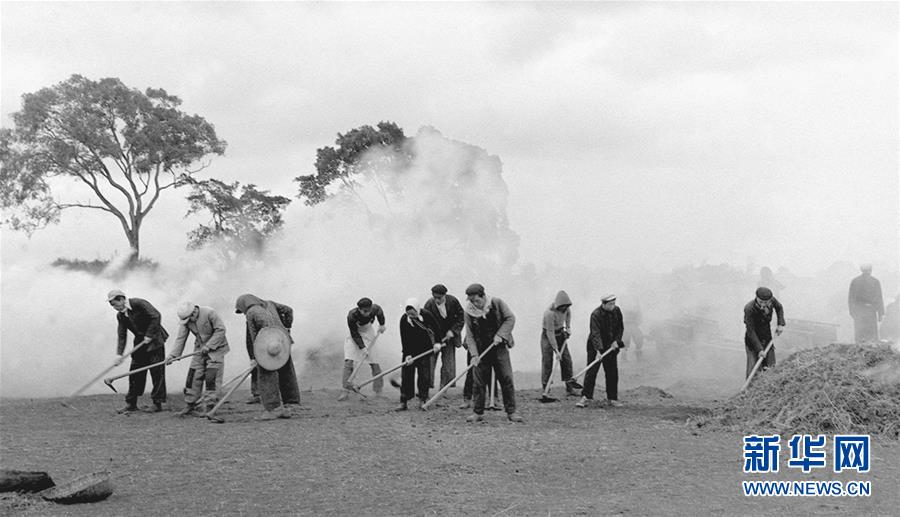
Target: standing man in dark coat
866, 305
607, 327
448, 313
490, 321
144, 321
278, 390
416, 337
758, 321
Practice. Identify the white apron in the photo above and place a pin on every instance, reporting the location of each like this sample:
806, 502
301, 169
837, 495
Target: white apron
353, 352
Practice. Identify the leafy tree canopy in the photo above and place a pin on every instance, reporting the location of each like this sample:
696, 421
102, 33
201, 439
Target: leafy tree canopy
121, 147
241, 217
364, 152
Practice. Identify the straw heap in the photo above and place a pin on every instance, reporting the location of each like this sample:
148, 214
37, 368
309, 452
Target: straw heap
836, 389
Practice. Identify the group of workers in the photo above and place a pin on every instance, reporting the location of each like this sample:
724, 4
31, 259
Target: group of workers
428, 334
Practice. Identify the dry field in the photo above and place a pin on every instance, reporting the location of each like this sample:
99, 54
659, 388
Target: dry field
360, 458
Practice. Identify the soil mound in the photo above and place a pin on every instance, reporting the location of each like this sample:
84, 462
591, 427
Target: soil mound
830, 390
647, 393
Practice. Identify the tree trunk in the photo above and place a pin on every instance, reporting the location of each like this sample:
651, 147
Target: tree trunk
134, 242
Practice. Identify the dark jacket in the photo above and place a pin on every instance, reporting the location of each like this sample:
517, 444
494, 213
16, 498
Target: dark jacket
759, 324
607, 328
355, 319
864, 296
143, 320
499, 321
417, 337
453, 322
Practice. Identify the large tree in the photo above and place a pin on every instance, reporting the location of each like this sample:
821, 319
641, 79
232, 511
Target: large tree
104, 146
241, 217
361, 153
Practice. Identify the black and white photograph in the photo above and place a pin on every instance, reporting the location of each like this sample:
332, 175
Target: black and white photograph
433, 258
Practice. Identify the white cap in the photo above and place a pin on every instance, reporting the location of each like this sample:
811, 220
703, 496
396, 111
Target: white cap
115, 293
608, 298
184, 311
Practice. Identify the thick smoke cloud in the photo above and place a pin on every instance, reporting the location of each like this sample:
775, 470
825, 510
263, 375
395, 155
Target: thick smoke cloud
441, 219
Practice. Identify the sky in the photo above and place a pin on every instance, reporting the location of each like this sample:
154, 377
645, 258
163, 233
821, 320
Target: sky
632, 135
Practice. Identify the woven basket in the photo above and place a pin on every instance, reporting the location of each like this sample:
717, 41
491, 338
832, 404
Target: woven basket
85, 489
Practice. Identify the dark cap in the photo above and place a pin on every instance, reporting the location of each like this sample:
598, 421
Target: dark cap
439, 289
764, 293
364, 303
475, 289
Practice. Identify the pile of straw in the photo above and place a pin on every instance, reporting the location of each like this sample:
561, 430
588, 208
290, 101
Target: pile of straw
838, 389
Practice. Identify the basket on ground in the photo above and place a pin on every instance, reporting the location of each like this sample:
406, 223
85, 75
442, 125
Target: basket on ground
85, 489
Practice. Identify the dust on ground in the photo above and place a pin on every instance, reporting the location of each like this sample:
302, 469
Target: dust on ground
359, 457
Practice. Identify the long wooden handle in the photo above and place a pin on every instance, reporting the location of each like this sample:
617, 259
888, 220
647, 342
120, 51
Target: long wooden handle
80, 390
395, 368
756, 366
443, 390
154, 365
595, 361
559, 358
361, 361
243, 376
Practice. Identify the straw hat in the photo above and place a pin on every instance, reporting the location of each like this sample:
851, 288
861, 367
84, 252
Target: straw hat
272, 348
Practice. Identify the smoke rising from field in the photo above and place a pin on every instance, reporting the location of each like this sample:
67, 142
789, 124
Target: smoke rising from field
441, 220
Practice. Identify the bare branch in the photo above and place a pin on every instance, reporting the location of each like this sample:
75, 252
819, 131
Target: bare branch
63, 206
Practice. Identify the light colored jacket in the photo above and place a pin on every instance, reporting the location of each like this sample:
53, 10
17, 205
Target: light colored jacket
555, 321
209, 330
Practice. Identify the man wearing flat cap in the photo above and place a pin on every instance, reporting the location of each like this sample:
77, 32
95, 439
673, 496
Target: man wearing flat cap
607, 328
758, 323
489, 321
448, 314
207, 367
144, 321
866, 305
278, 388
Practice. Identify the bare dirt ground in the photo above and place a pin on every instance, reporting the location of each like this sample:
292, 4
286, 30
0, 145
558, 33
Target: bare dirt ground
361, 458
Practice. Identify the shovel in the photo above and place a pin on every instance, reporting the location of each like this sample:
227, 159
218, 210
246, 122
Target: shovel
80, 390
357, 387
443, 390
108, 380
544, 396
210, 415
756, 366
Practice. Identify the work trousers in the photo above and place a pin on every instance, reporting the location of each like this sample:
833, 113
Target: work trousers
467, 385
348, 371
422, 369
547, 358
865, 327
279, 386
753, 356
204, 371
497, 360
254, 376
137, 381
610, 372
448, 364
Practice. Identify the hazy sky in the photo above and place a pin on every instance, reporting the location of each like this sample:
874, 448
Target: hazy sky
661, 134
